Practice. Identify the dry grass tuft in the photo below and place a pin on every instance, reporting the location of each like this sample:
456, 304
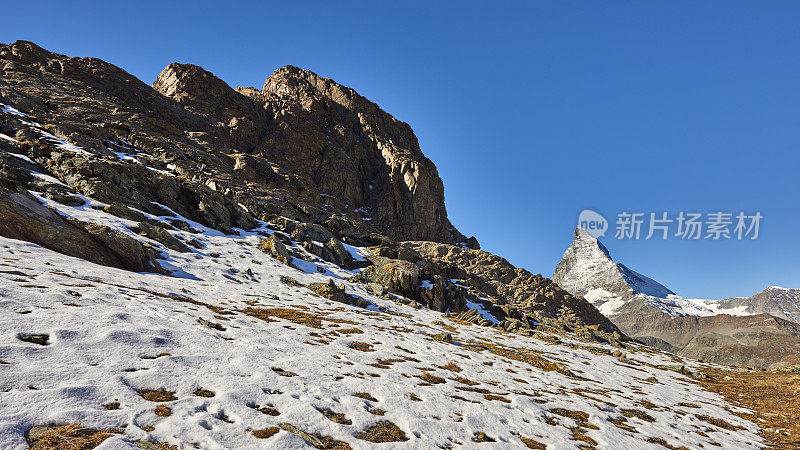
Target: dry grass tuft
429, 378
638, 414
482, 437
66, 437
663, 443
718, 422
466, 381
451, 366
530, 443
163, 411
267, 433
269, 410
578, 416
204, 393
496, 397
335, 417
157, 395
365, 396
350, 331
361, 346
290, 314
111, 406
383, 431
621, 423
524, 355
579, 434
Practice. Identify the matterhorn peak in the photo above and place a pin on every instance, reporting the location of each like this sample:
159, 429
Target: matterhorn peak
587, 269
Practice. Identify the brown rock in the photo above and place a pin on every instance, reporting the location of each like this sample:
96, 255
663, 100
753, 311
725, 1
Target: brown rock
330, 291
273, 246
163, 236
23, 217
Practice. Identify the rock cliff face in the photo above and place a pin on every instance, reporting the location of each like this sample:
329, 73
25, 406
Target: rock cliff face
351, 148
303, 147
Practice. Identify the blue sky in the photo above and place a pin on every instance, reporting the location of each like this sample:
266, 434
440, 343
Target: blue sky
532, 111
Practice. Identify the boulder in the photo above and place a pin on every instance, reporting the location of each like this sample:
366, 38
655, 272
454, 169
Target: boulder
252, 168
23, 217
163, 236
133, 254
122, 211
274, 247
330, 291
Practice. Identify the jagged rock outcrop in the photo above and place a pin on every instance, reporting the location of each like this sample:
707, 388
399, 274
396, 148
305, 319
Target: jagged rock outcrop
351, 148
460, 280
273, 246
161, 235
309, 157
515, 288
303, 147
23, 217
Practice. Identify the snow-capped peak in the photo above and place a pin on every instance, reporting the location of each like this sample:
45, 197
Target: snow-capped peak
587, 269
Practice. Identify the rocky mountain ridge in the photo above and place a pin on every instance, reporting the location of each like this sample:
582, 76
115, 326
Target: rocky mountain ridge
774, 300
303, 147
587, 269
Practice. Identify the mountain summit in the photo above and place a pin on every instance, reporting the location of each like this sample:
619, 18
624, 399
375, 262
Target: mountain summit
587, 269
747, 331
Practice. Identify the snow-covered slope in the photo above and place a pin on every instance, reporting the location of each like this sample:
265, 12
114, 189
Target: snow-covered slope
275, 354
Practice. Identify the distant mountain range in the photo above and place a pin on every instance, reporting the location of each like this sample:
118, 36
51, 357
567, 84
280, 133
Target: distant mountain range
760, 330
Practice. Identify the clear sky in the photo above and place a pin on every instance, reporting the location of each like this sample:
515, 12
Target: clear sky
532, 111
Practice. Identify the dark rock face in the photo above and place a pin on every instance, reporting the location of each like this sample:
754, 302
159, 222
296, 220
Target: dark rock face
161, 235
515, 289
351, 148
303, 147
23, 217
